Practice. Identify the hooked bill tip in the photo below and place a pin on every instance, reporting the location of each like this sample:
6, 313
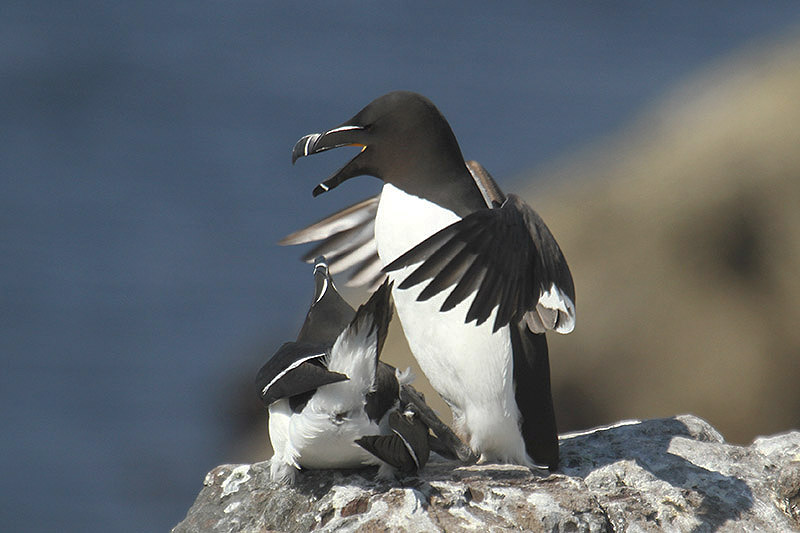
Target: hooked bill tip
304, 146
319, 189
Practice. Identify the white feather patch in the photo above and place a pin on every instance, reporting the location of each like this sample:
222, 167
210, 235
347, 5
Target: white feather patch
283, 464
554, 311
323, 434
405, 377
355, 353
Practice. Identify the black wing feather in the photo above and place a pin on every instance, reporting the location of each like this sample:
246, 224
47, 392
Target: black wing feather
296, 368
357, 222
468, 283
450, 274
406, 449
448, 251
340, 244
450, 270
508, 255
387, 389
347, 239
389, 448
482, 305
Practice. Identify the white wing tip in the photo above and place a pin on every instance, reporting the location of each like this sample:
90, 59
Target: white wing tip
554, 311
354, 353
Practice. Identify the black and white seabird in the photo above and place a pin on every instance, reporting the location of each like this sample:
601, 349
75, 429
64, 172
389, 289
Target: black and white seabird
496, 278
331, 402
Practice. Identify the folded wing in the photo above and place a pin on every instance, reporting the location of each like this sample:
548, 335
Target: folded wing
296, 368
406, 448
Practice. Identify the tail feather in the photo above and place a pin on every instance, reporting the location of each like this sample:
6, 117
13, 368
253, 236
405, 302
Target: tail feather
533, 395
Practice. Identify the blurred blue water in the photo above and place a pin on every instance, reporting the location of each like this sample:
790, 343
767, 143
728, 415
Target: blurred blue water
144, 156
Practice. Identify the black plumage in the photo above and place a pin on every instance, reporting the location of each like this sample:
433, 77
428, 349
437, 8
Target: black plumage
491, 250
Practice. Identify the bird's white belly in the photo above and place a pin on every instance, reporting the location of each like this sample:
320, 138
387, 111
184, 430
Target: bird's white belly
316, 438
468, 365
322, 443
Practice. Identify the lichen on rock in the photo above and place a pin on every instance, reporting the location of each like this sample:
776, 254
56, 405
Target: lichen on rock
673, 474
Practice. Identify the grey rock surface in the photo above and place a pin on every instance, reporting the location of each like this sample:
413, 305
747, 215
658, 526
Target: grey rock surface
671, 474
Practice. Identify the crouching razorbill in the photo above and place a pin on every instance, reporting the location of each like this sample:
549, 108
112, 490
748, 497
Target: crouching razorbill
478, 276
331, 402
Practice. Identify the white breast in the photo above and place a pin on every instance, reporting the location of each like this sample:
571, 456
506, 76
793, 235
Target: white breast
468, 365
320, 441
318, 437
324, 433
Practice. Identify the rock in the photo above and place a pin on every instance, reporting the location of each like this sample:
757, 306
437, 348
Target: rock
673, 474
683, 236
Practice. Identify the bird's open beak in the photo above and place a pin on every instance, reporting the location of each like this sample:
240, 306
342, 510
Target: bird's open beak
344, 135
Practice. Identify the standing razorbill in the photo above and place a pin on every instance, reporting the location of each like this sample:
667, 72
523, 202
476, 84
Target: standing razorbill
498, 279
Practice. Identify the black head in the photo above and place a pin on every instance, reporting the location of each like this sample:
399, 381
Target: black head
404, 141
329, 314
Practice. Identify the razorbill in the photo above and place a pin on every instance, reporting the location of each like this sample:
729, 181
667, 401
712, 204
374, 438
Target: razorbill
331, 402
496, 278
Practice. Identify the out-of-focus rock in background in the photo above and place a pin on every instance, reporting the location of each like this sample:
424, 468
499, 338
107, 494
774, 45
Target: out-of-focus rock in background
683, 236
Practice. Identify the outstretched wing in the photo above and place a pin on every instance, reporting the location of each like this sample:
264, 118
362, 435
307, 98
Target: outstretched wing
508, 258
296, 368
347, 239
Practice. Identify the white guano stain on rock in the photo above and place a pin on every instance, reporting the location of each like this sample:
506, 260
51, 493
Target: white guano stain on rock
467, 519
232, 507
238, 476
544, 503
344, 494
411, 515
671, 474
